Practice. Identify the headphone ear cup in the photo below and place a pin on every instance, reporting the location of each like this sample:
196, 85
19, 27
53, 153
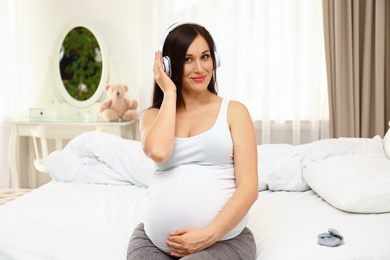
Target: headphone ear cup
166, 64
217, 60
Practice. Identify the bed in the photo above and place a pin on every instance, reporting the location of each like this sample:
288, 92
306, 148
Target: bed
95, 201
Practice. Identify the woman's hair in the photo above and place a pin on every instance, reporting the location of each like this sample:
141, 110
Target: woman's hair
175, 46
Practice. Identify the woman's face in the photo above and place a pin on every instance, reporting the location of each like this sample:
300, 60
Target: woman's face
198, 66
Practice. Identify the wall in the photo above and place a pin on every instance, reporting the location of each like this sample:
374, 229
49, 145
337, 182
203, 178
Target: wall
45, 20
42, 23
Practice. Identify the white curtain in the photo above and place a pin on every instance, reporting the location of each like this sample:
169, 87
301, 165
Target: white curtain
272, 55
14, 97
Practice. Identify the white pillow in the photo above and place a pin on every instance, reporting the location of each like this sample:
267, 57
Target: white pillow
353, 183
386, 144
322, 149
279, 168
367, 146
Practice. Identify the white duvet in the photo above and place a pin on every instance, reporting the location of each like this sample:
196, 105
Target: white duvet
101, 158
90, 221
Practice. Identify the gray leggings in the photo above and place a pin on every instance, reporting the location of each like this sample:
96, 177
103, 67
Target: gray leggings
241, 247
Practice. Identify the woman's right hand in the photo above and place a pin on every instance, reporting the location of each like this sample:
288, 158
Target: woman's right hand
162, 79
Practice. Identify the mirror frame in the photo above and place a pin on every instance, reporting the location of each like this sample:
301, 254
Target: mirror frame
59, 86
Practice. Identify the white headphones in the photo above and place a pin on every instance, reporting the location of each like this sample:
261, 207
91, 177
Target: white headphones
166, 61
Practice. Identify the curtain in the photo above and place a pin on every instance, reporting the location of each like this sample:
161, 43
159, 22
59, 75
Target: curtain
387, 62
357, 57
272, 54
4, 130
12, 99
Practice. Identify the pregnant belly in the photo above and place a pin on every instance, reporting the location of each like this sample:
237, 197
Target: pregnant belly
187, 196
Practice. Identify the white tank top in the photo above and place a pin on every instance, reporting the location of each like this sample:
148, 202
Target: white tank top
192, 187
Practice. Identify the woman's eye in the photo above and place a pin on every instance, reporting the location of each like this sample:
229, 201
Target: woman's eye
206, 56
187, 60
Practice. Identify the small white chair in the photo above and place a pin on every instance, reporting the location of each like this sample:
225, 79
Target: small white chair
48, 138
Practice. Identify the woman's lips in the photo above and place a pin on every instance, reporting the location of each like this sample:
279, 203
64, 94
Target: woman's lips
198, 79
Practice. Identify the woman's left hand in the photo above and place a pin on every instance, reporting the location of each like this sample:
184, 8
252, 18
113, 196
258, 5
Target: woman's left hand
187, 241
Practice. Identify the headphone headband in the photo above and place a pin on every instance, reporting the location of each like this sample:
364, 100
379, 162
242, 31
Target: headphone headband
170, 29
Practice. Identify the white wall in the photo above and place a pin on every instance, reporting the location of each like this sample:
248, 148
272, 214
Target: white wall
40, 24
45, 20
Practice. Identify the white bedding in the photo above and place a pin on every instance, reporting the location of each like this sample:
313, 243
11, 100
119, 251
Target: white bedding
70, 221
90, 221
286, 225
101, 158
95, 202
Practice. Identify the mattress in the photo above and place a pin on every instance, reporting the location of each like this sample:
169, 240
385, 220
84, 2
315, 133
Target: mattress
92, 221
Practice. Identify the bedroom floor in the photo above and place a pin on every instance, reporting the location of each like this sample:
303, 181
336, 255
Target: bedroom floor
7, 195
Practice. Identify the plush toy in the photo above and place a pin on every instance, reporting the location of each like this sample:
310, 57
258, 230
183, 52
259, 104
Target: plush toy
117, 106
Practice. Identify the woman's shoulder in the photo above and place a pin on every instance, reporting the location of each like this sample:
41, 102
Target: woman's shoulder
236, 107
237, 112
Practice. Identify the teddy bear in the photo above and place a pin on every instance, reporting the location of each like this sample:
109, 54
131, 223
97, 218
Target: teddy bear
116, 106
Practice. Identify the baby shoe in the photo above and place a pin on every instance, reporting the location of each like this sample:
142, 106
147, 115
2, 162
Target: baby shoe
331, 239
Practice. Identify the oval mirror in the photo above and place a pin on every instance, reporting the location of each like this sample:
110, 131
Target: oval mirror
82, 65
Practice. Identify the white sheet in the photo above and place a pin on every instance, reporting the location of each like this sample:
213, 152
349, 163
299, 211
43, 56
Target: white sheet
286, 225
90, 221
70, 221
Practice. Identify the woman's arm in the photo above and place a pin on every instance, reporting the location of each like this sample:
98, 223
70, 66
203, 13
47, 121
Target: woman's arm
157, 126
189, 240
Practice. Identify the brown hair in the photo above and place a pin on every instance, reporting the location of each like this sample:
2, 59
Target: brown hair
175, 47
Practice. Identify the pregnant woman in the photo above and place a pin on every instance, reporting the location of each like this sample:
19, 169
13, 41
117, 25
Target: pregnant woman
204, 148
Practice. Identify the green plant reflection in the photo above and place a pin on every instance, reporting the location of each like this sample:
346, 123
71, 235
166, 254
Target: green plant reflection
80, 63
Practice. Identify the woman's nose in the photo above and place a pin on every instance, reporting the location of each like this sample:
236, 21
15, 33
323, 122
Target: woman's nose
198, 66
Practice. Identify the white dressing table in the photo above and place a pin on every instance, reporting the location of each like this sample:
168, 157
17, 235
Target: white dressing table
22, 128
